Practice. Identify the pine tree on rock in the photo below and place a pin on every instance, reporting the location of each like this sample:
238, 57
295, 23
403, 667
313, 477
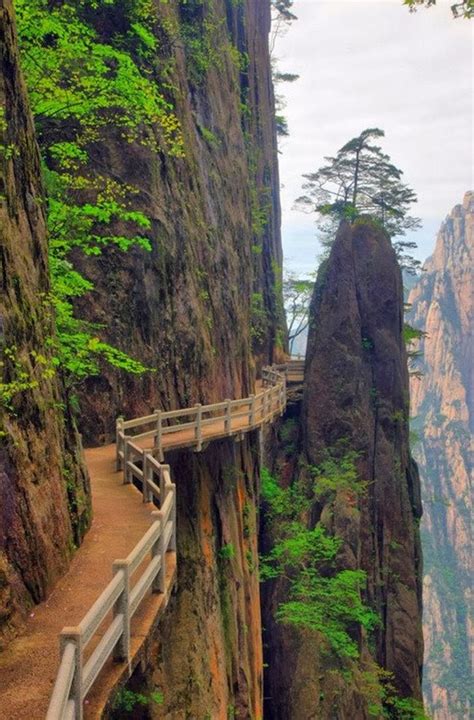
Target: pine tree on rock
360, 180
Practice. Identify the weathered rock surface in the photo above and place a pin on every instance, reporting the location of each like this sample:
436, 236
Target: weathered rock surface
43, 487
443, 408
356, 390
197, 305
202, 309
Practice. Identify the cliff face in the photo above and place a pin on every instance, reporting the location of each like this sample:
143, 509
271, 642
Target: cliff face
202, 309
442, 305
43, 485
203, 302
356, 398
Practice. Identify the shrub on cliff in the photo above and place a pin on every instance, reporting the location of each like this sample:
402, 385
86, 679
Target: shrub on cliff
320, 597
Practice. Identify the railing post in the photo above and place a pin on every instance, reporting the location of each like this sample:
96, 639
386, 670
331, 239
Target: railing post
198, 435
228, 417
172, 545
147, 475
283, 395
252, 410
163, 489
118, 442
122, 607
126, 457
159, 583
74, 635
159, 434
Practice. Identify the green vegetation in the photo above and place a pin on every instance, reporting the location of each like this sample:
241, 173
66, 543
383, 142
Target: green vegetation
126, 701
320, 597
91, 75
337, 475
227, 552
18, 374
411, 338
464, 9
297, 295
382, 699
259, 318
361, 182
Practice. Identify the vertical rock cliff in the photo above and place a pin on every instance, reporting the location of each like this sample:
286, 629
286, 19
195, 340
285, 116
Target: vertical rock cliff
44, 508
355, 400
203, 310
442, 305
205, 300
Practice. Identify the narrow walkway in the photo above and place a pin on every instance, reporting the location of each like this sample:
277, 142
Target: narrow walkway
29, 665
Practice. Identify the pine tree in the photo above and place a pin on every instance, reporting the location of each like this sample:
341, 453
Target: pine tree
362, 181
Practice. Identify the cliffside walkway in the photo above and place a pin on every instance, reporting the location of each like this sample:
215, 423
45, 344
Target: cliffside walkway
107, 629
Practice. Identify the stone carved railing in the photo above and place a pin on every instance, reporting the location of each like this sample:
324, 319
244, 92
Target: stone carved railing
121, 598
192, 427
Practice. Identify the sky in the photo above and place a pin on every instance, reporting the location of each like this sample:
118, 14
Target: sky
371, 63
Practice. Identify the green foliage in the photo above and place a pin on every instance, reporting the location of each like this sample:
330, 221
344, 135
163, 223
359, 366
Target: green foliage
360, 181
16, 376
227, 552
329, 605
128, 699
411, 338
320, 597
464, 9
91, 75
337, 475
209, 136
377, 685
206, 42
259, 318
297, 294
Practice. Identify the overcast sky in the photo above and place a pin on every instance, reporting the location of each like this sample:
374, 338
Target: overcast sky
371, 63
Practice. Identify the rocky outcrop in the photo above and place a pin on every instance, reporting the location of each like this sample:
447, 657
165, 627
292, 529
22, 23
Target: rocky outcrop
208, 658
44, 508
356, 398
442, 305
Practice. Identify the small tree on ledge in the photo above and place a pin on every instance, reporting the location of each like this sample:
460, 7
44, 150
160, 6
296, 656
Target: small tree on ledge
361, 180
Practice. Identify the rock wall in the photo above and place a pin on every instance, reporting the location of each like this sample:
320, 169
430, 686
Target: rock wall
204, 301
356, 392
442, 305
44, 508
203, 309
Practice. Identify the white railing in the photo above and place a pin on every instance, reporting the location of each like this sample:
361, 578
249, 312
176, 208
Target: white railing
115, 607
192, 427
122, 596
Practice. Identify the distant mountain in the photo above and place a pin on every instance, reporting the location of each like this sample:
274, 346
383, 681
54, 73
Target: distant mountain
443, 405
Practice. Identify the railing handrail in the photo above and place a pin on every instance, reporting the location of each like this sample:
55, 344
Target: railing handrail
76, 675
256, 407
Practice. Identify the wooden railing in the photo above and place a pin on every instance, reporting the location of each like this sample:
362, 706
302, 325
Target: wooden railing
121, 598
83, 654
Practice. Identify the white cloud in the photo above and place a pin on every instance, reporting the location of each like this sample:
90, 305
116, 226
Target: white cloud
371, 63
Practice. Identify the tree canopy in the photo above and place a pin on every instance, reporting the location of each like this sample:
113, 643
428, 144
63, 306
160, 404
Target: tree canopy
297, 294
361, 180
464, 9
